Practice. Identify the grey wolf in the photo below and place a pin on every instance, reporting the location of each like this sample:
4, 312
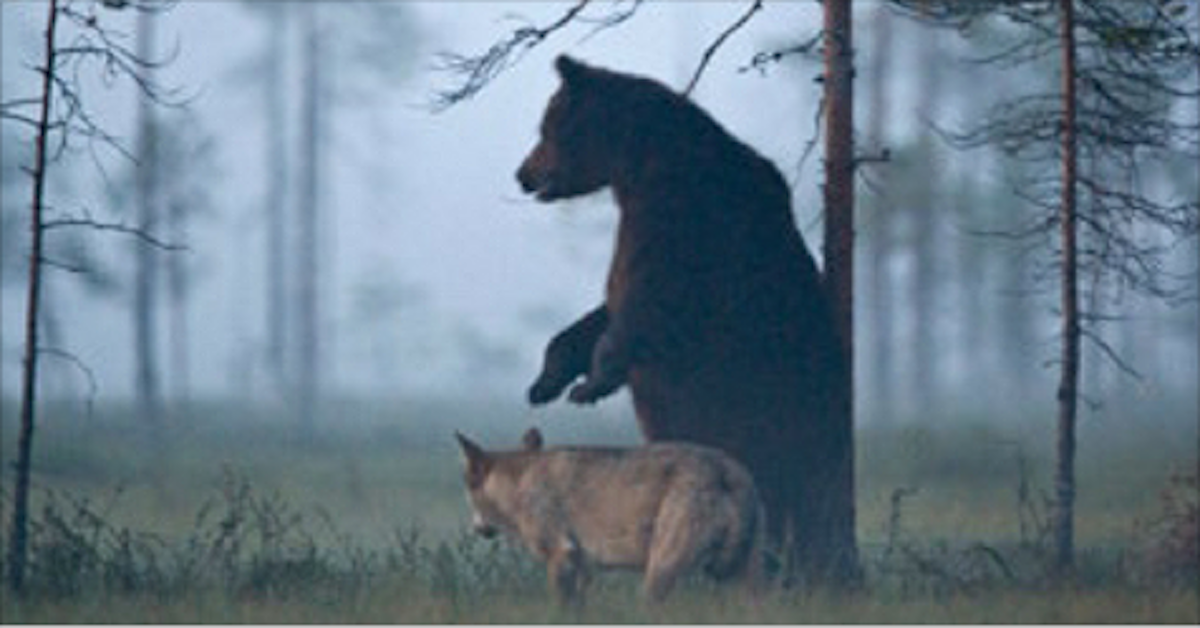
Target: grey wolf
666, 509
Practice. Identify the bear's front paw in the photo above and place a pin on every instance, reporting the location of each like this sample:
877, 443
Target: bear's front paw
546, 389
583, 394
591, 391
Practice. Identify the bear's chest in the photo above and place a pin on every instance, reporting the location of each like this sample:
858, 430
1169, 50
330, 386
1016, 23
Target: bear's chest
662, 256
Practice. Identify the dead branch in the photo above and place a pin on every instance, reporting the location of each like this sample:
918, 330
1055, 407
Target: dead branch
762, 60
894, 515
74, 269
481, 69
82, 367
477, 71
1109, 352
996, 558
96, 42
709, 52
140, 234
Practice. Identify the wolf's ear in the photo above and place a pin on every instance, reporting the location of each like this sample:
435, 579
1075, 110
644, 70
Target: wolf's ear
570, 70
477, 462
532, 440
471, 452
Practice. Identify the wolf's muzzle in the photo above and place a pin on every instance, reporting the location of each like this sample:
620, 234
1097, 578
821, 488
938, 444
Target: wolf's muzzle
485, 530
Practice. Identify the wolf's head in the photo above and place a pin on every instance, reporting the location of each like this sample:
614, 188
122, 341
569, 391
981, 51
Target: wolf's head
491, 482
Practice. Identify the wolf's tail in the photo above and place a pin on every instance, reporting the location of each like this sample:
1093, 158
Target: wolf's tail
743, 553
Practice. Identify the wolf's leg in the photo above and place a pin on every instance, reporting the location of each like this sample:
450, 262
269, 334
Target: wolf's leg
567, 574
568, 356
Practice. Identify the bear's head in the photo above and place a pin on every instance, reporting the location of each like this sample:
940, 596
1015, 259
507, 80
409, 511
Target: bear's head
575, 153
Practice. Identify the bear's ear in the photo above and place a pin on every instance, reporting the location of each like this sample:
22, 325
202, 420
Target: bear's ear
532, 440
570, 70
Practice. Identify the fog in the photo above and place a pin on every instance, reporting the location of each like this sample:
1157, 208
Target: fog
439, 277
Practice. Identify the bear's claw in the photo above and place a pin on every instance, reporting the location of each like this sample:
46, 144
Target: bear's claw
542, 392
591, 391
583, 394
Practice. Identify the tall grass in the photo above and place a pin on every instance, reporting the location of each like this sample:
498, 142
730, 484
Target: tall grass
233, 521
247, 551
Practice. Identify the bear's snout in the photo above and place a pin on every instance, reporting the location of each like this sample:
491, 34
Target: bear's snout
534, 175
528, 180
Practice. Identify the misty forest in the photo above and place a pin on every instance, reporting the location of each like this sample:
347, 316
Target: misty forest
259, 261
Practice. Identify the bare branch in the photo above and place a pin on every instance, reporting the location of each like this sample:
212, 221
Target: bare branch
883, 156
605, 22
74, 269
140, 234
811, 144
17, 103
709, 52
1037, 226
20, 119
1110, 353
761, 60
479, 70
82, 367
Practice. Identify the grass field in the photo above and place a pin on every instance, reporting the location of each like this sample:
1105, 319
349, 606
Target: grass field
224, 515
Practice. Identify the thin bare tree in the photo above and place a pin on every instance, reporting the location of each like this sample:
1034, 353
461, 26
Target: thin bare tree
1099, 216
18, 532
309, 252
840, 165
1068, 385
881, 222
60, 117
147, 373
277, 313
347, 52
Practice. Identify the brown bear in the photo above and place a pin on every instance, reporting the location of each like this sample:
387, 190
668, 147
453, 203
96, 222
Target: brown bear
714, 313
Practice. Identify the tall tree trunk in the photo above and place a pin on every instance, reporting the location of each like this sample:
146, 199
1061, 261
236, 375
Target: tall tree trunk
179, 334
839, 170
881, 224
277, 323
18, 533
1068, 387
841, 562
308, 253
1018, 313
924, 210
973, 281
145, 295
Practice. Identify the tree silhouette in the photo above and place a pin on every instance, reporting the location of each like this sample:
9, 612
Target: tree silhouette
1107, 124
59, 117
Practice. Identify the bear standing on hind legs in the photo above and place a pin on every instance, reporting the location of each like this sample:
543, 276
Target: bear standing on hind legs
714, 313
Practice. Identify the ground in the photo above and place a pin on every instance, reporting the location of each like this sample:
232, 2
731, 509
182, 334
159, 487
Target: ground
367, 524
